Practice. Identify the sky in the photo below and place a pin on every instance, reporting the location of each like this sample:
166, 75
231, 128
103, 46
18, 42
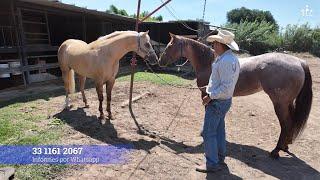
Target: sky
284, 11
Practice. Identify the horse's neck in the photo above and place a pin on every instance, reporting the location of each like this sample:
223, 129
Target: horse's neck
199, 55
120, 46
200, 58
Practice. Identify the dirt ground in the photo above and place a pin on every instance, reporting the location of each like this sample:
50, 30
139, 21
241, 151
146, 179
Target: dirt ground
252, 132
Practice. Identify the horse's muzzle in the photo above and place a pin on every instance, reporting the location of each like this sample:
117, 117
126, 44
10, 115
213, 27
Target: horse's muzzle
152, 58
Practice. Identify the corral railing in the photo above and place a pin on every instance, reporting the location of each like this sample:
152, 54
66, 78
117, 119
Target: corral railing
7, 36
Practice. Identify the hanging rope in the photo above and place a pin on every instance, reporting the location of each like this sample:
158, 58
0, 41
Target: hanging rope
204, 9
177, 19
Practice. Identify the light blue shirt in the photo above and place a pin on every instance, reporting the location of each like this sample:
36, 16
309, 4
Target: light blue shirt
224, 76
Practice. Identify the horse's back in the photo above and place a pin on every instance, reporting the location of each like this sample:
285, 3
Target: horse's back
74, 46
272, 62
74, 50
76, 54
269, 72
280, 59
279, 65
280, 74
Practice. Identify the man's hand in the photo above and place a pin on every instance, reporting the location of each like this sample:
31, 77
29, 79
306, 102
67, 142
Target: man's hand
206, 100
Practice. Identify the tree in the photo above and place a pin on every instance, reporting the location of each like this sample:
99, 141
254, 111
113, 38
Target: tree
243, 14
256, 37
123, 12
159, 18
145, 13
114, 10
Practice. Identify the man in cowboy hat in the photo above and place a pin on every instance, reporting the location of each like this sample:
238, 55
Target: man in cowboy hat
224, 76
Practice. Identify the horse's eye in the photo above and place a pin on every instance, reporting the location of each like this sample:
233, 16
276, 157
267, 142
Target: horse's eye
147, 45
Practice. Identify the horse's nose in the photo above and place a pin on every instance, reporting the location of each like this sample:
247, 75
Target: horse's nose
153, 59
161, 63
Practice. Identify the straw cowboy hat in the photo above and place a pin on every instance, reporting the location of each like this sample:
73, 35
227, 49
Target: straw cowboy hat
224, 37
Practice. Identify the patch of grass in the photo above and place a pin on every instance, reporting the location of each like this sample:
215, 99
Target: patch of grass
20, 125
13, 123
163, 80
26, 124
39, 171
42, 137
56, 121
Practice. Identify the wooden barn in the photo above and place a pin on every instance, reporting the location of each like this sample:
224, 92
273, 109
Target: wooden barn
32, 30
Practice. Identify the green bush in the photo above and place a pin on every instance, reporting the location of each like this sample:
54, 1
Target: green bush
302, 39
315, 49
256, 37
298, 38
261, 37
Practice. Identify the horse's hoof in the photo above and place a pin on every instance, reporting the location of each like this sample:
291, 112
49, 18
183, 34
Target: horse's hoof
274, 154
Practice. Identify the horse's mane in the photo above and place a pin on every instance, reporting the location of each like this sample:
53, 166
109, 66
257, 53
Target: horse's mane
111, 35
103, 39
204, 54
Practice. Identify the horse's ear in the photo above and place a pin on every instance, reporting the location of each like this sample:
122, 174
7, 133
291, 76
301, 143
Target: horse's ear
145, 33
172, 35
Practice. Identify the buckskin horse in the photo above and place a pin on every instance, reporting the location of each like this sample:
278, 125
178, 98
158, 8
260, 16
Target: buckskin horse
285, 78
99, 61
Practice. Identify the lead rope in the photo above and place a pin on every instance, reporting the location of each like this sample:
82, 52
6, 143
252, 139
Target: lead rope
204, 9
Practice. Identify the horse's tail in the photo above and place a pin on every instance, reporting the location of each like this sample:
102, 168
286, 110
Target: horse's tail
302, 105
70, 81
67, 73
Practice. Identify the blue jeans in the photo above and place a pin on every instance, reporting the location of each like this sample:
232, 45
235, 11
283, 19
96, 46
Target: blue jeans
214, 135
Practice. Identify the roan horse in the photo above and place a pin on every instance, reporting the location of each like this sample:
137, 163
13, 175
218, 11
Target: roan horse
285, 78
99, 61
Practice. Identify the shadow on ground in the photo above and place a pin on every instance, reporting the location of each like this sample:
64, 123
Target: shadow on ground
284, 168
289, 167
91, 126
